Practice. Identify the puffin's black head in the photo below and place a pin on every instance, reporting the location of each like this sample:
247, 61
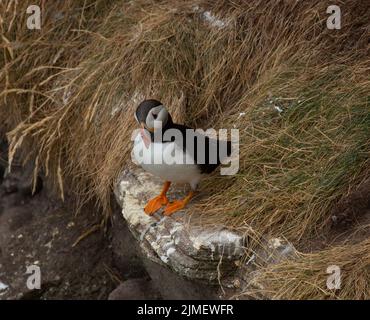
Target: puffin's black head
151, 115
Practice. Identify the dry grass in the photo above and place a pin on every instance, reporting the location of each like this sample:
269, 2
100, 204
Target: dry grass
305, 277
68, 92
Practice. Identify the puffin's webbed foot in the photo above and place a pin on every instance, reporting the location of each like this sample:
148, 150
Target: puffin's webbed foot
155, 204
177, 205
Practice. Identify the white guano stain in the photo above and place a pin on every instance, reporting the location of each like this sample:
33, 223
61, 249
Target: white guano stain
218, 241
170, 251
3, 288
211, 18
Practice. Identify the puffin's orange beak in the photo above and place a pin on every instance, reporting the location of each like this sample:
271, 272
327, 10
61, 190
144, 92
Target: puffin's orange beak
144, 136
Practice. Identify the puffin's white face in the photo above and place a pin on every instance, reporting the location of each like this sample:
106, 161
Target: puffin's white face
156, 118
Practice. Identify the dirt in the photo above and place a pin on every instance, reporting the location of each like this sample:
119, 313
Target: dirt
40, 230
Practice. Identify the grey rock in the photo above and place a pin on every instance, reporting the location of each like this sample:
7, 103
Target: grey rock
135, 289
202, 253
174, 287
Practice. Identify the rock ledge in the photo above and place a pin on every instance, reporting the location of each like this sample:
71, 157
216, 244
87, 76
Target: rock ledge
207, 253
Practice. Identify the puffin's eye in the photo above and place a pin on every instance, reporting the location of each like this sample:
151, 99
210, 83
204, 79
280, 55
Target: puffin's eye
154, 116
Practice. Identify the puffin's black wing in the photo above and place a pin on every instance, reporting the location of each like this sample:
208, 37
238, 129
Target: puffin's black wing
207, 155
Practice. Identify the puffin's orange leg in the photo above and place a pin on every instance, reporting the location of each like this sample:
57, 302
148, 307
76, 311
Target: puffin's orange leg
177, 205
156, 203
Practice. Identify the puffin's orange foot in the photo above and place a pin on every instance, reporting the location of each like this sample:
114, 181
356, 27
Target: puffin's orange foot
155, 204
177, 204
174, 206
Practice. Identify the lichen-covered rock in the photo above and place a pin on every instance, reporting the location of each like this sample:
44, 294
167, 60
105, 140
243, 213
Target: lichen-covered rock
203, 253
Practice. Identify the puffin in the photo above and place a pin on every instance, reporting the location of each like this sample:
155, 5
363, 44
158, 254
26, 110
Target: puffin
164, 149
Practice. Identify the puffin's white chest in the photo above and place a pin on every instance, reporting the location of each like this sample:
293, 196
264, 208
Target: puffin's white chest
167, 161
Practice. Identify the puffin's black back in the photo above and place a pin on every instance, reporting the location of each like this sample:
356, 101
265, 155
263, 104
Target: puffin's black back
211, 146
